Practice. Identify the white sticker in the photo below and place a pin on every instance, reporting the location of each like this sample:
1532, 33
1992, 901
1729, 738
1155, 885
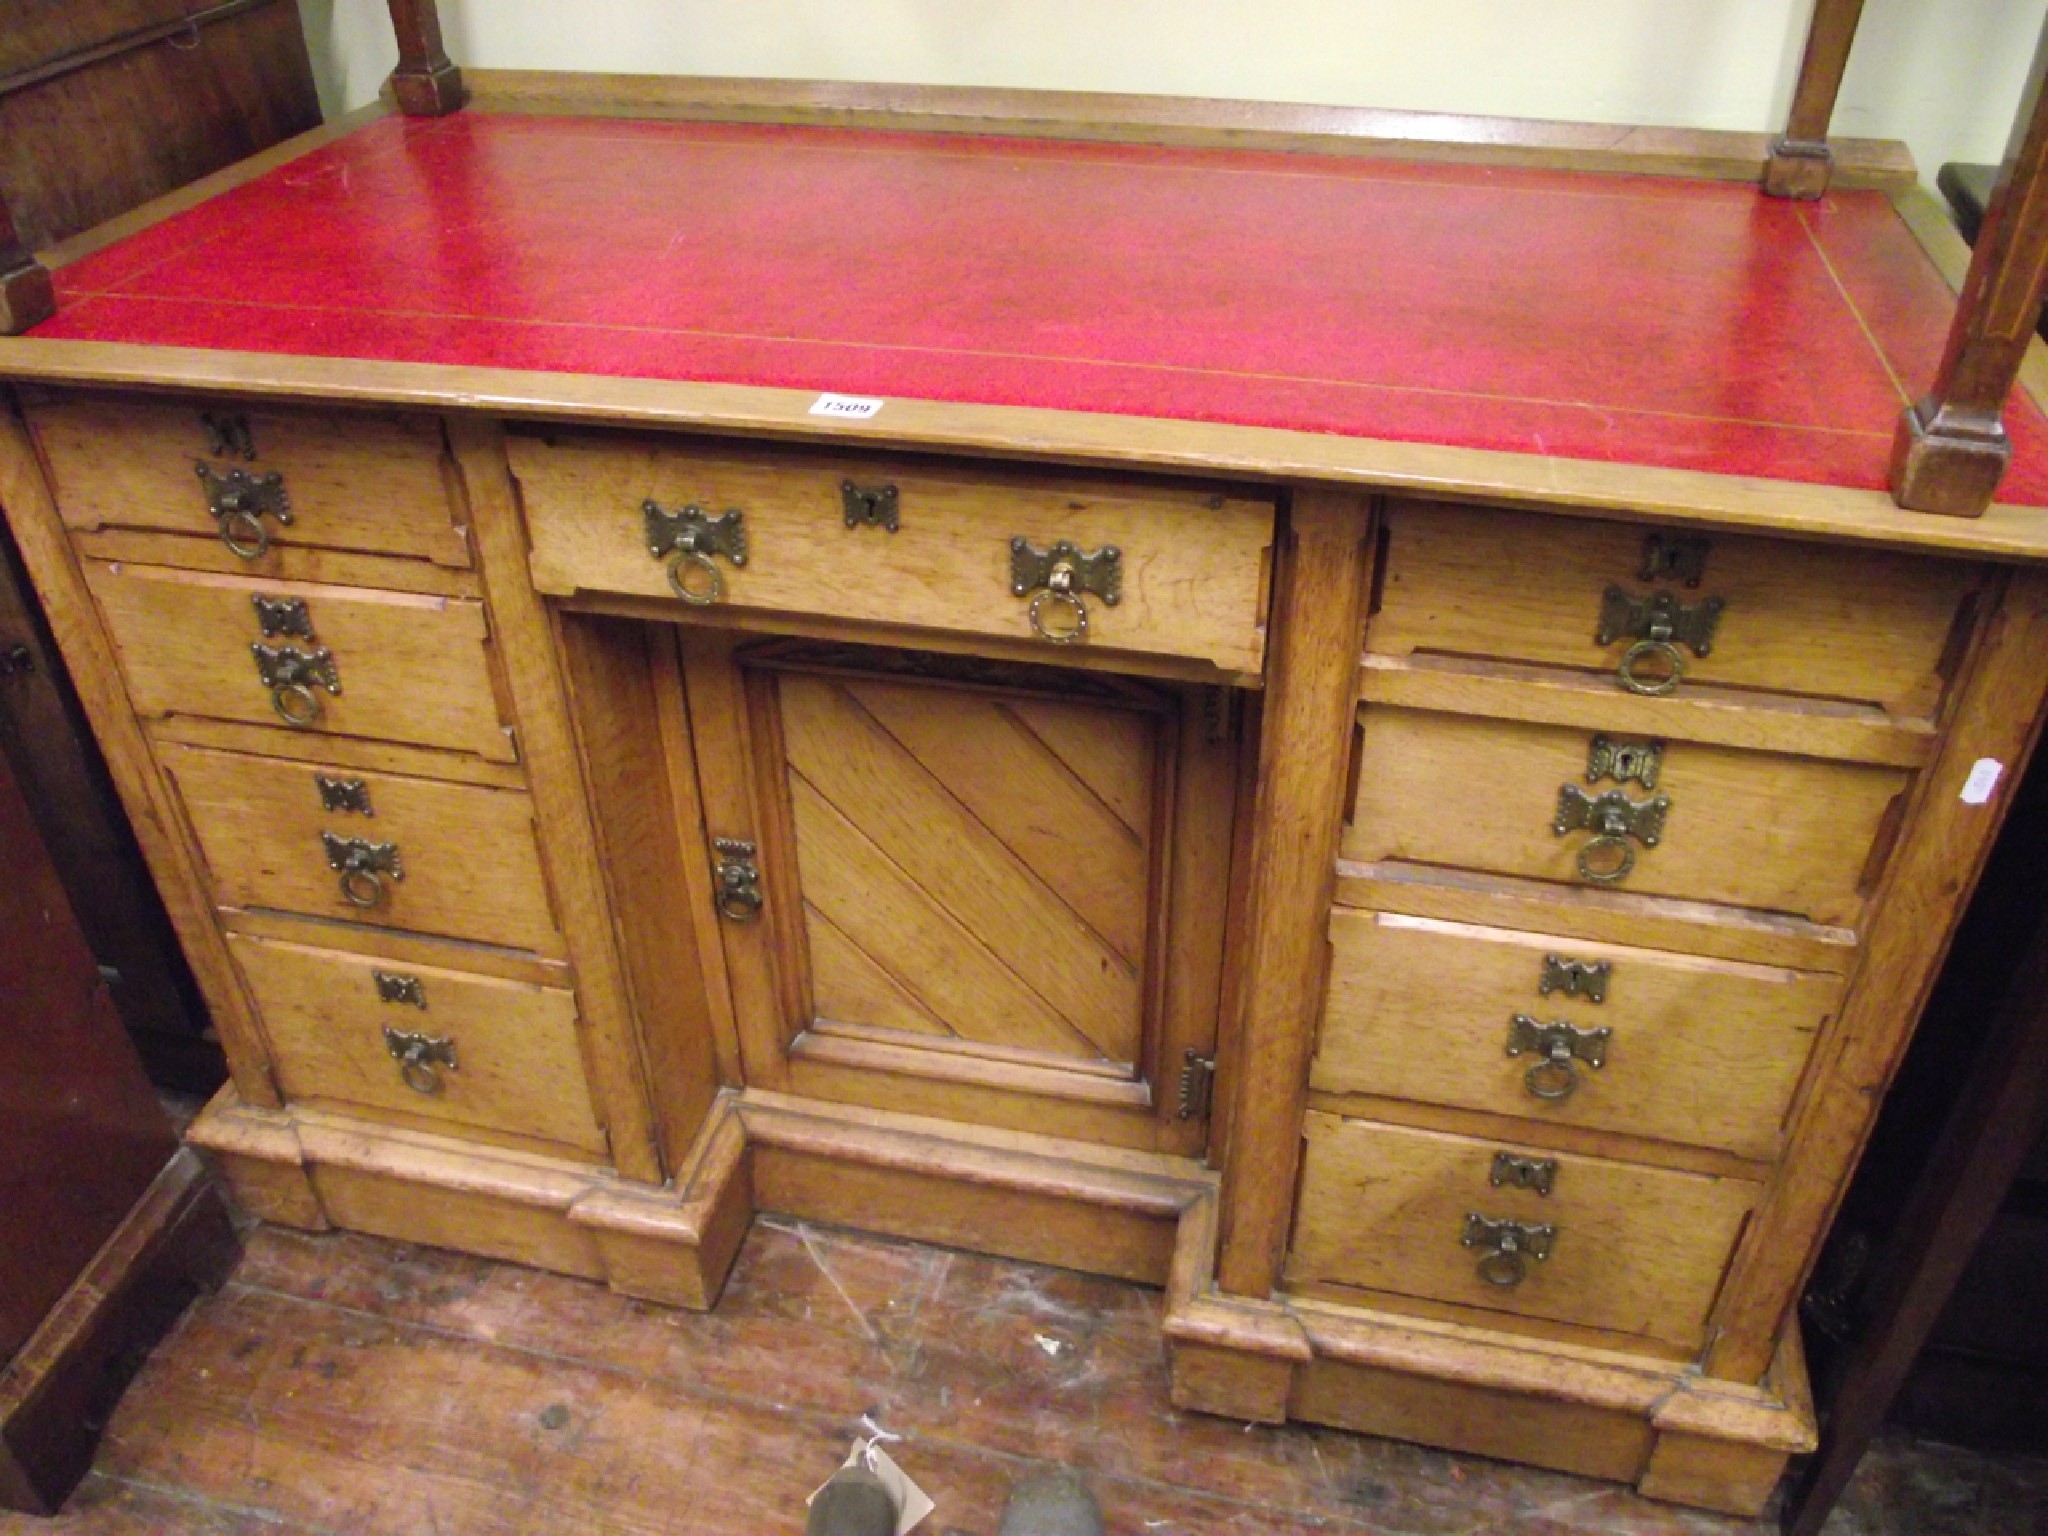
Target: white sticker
845, 407
1982, 780
912, 1502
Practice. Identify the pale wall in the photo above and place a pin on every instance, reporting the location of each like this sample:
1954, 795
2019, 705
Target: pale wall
1944, 75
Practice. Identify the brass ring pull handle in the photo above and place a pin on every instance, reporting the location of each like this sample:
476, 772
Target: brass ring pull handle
1055, 580
1651, 685
291, 675
420, 1058
363, 866
1607, 859
1558, 1047
1658, 624
686, 539
1059, 594
1507, 1247
706, 591
239, 501
296, 705
737, 894
362, 887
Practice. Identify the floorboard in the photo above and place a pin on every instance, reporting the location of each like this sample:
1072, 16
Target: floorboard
345, 1386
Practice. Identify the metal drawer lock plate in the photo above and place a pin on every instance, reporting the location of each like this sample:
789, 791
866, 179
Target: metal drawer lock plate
1560, 1046
1512, 1172
1658, 624
364, 866
1575, 978
1675, 557
1506, 1247
282, 616
1614, 820
392, 987
871, 506
688, 539
1623, 761
343, 796
1057, 579
420, 1057
737, 877
239, 502
291, 675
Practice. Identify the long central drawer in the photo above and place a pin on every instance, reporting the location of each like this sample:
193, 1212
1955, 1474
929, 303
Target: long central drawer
930, 546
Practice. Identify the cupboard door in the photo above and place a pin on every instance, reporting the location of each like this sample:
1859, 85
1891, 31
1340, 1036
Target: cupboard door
975, 891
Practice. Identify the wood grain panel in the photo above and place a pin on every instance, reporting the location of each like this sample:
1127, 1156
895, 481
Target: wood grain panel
366, 481
1782, 834
1192, 558
472, 869
1638, 1250
1858, 625
955, 861
413, 668
1703, 1051
518, 1068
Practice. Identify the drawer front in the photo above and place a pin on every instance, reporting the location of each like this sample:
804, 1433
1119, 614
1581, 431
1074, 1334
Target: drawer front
1859, 625
369, 482
1750, 829
1633, 1250
404, 667
1700, 1051
466, 862
1191, 568
516, 1066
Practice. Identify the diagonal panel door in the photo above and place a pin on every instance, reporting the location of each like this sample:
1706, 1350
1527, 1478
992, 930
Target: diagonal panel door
957, 874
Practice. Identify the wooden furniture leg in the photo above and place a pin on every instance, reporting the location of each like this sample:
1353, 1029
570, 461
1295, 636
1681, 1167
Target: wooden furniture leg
26, 297
1951, 449
1996, 1122
426, 82
1801, 162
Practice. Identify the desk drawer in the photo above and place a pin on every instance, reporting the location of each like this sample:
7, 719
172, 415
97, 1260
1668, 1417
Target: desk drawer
1191, 566
1749, 829
1865, 626
1700, 1051
404, 667
516, 1065
1632, 1250
370, 482
467, 865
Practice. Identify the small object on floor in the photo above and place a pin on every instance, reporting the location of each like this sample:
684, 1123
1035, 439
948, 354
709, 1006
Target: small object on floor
854, 1502
1051, 1503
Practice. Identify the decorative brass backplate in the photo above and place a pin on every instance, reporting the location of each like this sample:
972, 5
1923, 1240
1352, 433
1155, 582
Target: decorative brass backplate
1575, 978
239, 502
419, 1057
1197, 1084
395, 988
228, 436
688, 538
1513, 1172
1675, 557
1506, 1247
1613, 819
1056, 578
291, 675
1622, 761
1559, 1044
874, 506
363, 867
737, 892
282, 616
345, 796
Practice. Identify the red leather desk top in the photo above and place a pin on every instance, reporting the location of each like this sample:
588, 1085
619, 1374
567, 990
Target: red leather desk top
1682, 324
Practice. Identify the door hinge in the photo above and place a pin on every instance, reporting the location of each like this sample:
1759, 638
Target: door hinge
1197, 1085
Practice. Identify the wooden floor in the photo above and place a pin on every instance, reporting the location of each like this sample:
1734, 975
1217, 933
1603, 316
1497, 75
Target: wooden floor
350, 1387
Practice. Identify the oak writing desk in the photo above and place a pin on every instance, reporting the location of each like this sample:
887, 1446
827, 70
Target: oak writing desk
1355, 736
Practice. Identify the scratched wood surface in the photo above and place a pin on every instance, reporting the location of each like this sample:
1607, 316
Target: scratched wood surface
341, 1384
